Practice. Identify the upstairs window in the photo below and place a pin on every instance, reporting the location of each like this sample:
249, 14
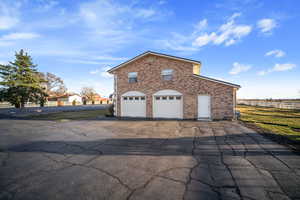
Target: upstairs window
132, 77
167, 74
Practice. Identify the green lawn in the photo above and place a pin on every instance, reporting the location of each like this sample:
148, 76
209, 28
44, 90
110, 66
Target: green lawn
285, 122
76, 115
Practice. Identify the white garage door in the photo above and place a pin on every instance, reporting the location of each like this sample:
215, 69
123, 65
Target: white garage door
133, 104
167, 104
204, 107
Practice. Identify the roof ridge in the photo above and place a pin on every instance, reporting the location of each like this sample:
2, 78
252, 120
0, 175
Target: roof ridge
154, 53
216, 80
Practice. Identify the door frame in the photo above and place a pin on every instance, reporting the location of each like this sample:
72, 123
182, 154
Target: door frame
210, 105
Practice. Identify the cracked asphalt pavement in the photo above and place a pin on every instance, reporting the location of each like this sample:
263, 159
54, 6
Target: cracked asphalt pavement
143, 160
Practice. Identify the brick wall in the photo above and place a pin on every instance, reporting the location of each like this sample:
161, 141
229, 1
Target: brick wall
149, 81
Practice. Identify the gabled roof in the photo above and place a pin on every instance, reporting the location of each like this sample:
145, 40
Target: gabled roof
218, 81
156, 54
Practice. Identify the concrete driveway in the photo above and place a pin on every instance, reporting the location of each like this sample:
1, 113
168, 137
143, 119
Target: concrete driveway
142, 160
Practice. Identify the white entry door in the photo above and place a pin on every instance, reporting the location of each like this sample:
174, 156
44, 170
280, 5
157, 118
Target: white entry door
167, 106
133, 106
204, 110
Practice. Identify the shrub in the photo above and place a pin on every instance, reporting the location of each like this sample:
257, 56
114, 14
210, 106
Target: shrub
111, 110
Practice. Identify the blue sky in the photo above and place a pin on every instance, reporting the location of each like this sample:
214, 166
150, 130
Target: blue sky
253, 43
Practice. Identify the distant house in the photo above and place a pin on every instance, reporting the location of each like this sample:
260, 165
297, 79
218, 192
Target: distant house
101, 100
97, 99
66, 99
105, 100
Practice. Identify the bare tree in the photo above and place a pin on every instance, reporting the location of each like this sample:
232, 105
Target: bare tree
88, 93
53, 84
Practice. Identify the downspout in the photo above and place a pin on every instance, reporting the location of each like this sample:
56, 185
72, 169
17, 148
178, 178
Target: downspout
234, 103
115, 95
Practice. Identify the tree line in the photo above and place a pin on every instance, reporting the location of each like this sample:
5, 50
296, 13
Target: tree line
21, 82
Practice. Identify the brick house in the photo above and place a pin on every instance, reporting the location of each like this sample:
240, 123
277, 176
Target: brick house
155, 85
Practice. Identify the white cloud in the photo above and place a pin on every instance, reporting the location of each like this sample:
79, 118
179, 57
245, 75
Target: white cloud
176, 45
20, 36
266, 25
145, 13
277, 53
6, 43
205, 39
235, 15
238, 68
86, 62
96, 71
106, 57
7, 22
161, 2
108, 14
102, 72
8, 15
284, 67
262, 73
227, 34
105, 74
2, 62
113, 24
201, 25
278, 68
47, 5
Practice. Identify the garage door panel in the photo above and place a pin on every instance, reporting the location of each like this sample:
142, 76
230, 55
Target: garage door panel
133, 107
167, 107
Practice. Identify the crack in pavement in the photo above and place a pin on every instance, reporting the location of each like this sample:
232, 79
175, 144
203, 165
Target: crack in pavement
94, 168
132, 190
268, 192
214, 188
221, 152
258, 169
195, 166
104, 172
171, 179
157, 175
44, 171
237, 189
28, 176
270, 152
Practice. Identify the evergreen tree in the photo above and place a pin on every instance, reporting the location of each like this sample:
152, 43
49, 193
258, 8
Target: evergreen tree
21, 82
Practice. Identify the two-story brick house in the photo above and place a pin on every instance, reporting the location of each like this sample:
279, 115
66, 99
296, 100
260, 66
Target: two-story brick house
155, 85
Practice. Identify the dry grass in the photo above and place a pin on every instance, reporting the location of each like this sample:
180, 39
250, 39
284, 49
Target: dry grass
285, 122
76, 115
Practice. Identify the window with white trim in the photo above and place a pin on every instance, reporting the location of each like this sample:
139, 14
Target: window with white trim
132, 77
167, 74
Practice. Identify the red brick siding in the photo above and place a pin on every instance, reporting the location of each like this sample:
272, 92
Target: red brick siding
150, 81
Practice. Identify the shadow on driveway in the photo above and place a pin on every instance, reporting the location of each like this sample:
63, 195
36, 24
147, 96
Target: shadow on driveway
209, 145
